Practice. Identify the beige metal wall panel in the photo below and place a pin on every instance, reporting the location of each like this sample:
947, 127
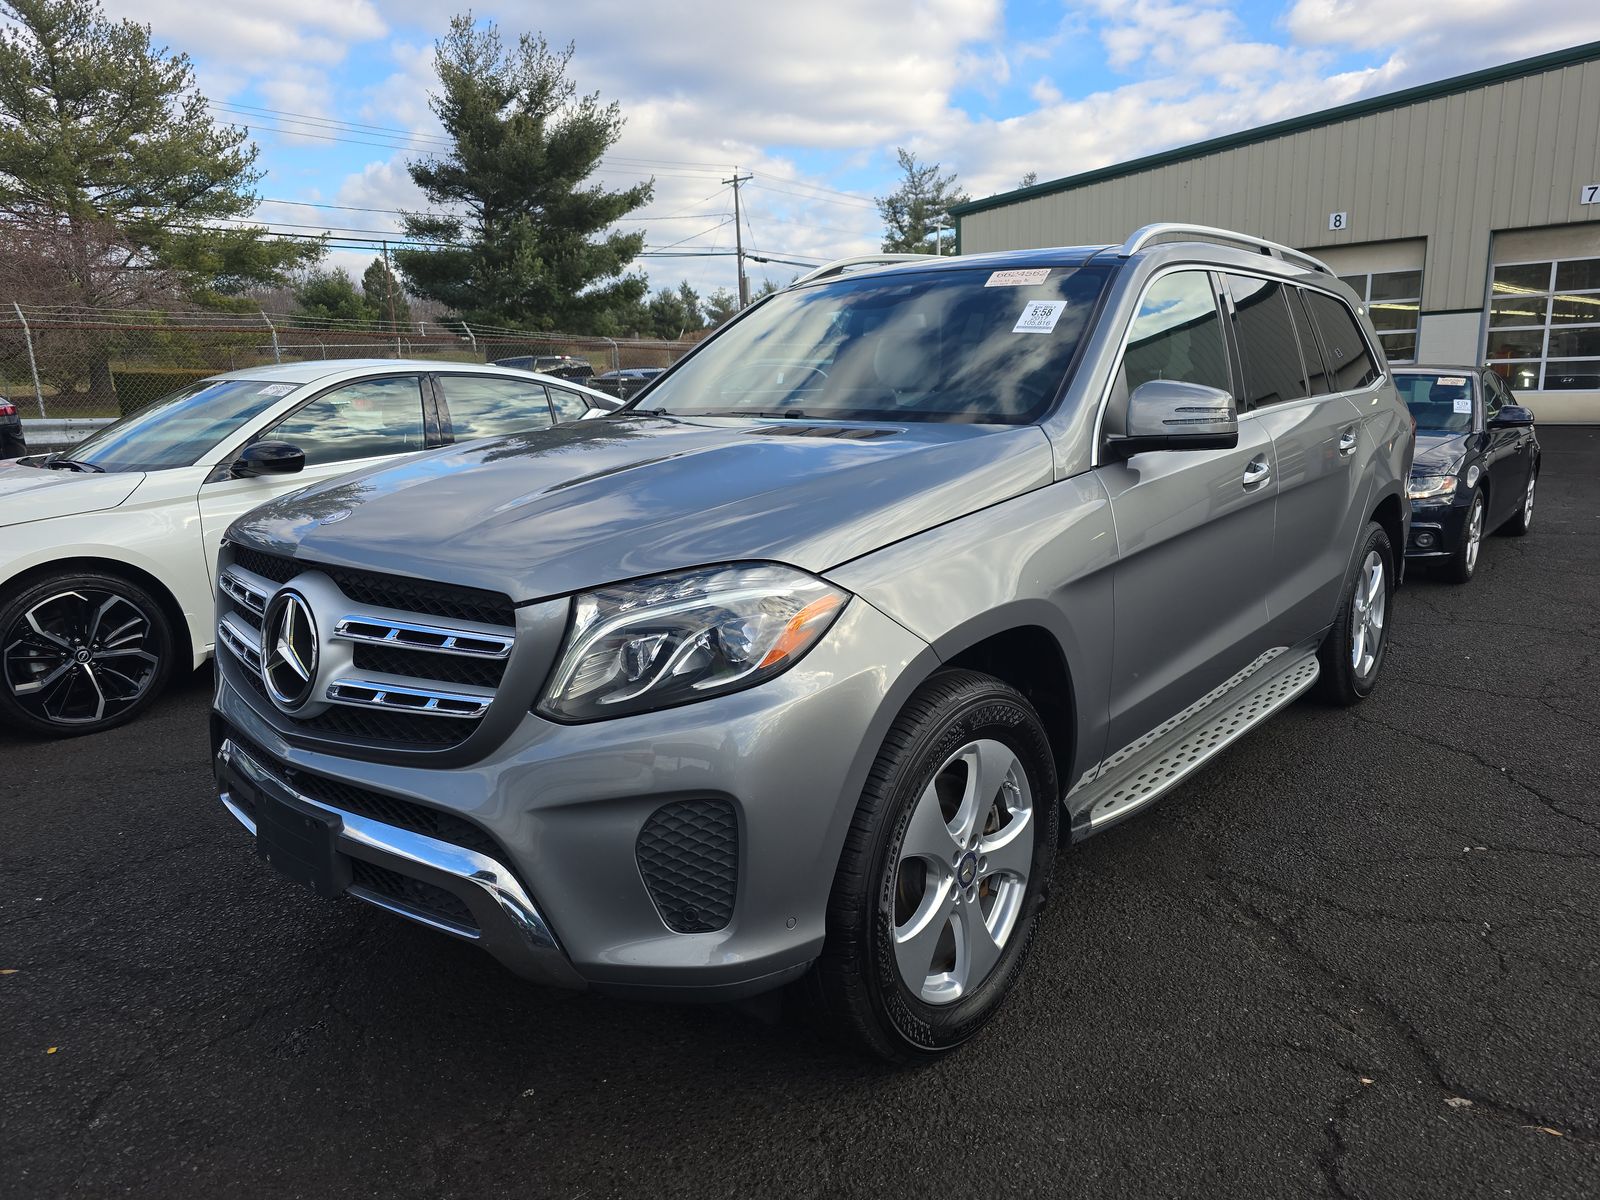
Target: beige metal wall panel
1510, 155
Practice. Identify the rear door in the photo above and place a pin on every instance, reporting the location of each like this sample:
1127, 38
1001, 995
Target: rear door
1194, 527
480, 406
1316, 433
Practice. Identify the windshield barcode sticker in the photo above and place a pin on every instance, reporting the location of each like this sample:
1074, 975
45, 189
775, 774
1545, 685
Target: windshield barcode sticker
275, 389
1017, 278
1463, 404
1039, 316
1452, 381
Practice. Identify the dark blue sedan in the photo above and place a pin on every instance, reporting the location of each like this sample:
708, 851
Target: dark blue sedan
1475, 467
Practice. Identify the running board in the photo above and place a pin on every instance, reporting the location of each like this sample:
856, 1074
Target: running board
1129, 787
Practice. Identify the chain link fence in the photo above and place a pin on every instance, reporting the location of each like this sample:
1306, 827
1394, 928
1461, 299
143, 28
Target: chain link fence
63, 363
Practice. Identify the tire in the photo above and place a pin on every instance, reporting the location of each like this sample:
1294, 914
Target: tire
1519, 525
959, 727
1341, 682
1463, 561
81, 652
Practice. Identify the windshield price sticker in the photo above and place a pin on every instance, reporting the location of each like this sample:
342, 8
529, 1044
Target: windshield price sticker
1017, 278
1452, 381
1039, 316
275, 389
1463, 404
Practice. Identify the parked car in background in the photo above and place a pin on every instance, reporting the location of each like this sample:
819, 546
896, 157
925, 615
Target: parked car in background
626, 383
561, 366
1476, 465
12, 444
799, 669
107, 550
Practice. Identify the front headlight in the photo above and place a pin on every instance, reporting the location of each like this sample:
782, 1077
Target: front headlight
691, 635
1431, 487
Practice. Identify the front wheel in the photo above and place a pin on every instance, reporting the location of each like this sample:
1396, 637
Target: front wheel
944, 873
81, 652
1353, 651
1463, 561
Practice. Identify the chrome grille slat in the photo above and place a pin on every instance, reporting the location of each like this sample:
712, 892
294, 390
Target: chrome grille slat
240, 641
398, 697
476, 642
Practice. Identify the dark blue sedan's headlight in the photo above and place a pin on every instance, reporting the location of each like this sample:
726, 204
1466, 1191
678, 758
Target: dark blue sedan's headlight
1431, 487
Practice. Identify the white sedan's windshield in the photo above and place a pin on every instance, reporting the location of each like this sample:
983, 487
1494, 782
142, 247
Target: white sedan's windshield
177, 429
939, 345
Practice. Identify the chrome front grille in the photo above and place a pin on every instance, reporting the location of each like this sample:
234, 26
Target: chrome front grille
385, 675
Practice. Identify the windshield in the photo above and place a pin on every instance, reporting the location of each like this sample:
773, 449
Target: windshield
950, 345
1440, 403
177, 429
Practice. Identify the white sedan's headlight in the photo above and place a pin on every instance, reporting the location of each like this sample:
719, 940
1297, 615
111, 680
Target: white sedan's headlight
1431, 487
673, 639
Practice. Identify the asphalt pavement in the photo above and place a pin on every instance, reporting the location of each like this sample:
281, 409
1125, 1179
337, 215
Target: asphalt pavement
1358, 955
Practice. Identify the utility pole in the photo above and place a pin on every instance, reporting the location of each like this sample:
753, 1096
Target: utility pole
388, 282
738, 234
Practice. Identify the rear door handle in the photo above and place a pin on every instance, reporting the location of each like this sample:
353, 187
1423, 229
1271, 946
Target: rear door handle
1256, 474
1347, 442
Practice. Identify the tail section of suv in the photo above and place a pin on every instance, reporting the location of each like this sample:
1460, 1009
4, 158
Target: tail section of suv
802, 668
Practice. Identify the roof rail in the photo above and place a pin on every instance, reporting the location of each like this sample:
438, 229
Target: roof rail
1143, 237
844, 266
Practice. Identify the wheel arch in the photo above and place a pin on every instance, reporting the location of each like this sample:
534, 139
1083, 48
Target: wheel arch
182, 634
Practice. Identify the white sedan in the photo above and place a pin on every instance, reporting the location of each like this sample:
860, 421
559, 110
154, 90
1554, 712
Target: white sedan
107, 550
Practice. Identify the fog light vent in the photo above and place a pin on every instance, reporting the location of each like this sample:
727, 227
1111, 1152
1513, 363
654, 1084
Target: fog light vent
688, 856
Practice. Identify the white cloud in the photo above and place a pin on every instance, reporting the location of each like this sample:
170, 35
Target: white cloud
249, 37
1450, 37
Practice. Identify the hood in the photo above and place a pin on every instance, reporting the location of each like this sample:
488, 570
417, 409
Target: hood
553, 512
1439, 453
37, 494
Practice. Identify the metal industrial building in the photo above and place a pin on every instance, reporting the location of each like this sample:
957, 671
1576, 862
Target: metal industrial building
1466, 212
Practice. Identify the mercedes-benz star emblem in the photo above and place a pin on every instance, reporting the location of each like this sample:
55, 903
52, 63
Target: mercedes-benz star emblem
288, 650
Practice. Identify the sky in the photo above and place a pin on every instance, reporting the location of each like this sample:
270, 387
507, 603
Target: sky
812, 99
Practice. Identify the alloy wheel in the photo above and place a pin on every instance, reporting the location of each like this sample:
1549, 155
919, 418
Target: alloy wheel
1367, 610
963, 872
79, 657
1474, 534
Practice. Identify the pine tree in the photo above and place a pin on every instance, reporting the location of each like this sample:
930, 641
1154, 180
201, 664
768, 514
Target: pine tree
918, 207
520, 221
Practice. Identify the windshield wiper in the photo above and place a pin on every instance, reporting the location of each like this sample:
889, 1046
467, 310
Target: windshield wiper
57, 462
758, 413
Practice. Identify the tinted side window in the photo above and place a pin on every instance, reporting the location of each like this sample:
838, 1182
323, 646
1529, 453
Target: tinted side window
1177, 334
1349, 362
569, 405
359, 420
481, 407
1309, 347
1268, 351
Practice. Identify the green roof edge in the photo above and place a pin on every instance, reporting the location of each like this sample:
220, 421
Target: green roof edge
1265, 133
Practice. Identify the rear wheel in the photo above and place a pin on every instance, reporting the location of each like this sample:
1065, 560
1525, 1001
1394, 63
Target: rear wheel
1518, 525
1353, 652
944, 873
81, 652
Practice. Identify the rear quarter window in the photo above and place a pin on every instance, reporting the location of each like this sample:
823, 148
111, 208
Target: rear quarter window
1348, 360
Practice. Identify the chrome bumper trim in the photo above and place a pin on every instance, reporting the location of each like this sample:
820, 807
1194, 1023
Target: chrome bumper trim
473, 876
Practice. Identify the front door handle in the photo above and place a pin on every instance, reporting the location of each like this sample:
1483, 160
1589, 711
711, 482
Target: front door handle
1347, 442
1256, 474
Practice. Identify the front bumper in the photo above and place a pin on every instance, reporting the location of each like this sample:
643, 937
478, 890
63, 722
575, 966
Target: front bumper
556, 888
447, 887
1436, 530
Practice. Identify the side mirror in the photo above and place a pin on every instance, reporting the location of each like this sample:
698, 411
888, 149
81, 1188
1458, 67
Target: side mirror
1512, 416
268, 458
1169, 414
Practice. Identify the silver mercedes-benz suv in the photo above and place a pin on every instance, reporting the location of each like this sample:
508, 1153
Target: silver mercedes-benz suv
801, 667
